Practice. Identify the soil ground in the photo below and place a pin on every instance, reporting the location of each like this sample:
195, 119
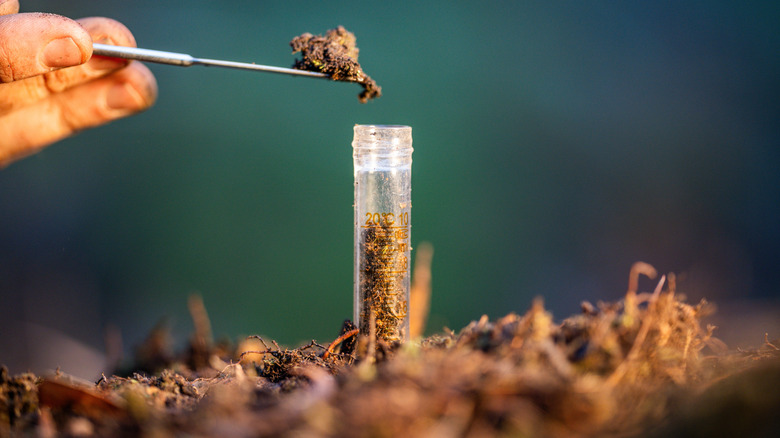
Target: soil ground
644, 366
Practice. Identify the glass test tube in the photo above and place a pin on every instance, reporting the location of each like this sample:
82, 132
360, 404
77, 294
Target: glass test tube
382, 156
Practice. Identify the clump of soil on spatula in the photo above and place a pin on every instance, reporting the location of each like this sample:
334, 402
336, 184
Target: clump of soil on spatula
336, 55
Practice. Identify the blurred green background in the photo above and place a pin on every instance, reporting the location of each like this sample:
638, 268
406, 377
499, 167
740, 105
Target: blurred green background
555, 144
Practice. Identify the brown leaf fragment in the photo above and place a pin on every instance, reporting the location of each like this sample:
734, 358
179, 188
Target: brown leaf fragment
60, 395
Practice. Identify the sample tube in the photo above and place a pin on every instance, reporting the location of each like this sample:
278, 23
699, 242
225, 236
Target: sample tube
382, 156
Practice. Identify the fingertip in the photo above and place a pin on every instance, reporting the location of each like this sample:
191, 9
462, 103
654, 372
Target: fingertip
35, 43
107, 31
134, 89
144, 80
53, 27
9, 7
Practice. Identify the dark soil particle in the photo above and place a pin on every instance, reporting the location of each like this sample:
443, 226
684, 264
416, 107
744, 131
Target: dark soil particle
18, 399
336, 55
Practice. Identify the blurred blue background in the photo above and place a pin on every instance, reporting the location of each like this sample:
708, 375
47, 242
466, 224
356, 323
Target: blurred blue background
555, 144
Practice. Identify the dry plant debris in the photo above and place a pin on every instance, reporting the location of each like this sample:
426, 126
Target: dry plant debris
382, 272
336, 55
643, 366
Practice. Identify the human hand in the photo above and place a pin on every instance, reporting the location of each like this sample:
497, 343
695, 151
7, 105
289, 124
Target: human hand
52, 87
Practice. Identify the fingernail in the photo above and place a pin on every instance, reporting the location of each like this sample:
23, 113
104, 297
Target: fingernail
62, 52
124, 97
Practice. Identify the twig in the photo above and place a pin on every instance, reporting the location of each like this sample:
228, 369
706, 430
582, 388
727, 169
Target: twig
420, 292
766, 342
371, 353
200, 320
636, 269
244, 353
337, 341
313, 344
640, 336
259, 339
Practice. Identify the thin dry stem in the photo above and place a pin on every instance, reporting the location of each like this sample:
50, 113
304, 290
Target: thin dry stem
337, 341
420, 291
371, 353
259, 339
769, 344
200, 320
649, 320
638, 268
244, 353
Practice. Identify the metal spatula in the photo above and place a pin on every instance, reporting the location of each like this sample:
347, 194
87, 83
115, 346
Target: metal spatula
184, 60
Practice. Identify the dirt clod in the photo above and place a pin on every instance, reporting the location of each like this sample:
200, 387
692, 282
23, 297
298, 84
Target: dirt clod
336, 55
18, 400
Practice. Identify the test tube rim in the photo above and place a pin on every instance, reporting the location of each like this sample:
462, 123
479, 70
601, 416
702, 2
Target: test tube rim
384, 126
393, 139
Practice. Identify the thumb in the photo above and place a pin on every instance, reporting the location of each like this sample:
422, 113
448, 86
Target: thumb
9, 7
34, 43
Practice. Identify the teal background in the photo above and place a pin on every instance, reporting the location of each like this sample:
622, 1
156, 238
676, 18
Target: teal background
555, 144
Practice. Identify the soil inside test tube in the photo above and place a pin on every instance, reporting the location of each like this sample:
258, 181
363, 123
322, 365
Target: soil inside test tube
384, 267
336, 55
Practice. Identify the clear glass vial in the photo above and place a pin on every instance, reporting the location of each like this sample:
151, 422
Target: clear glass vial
382, 156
